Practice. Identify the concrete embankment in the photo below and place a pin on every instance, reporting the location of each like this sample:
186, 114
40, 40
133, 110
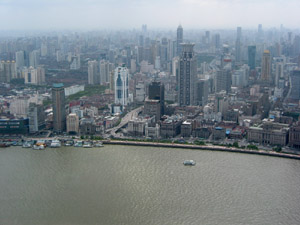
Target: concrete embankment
203, 147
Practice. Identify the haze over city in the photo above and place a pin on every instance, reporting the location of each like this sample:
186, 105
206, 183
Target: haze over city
128, 14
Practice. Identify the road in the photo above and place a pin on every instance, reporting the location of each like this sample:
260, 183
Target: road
130, 115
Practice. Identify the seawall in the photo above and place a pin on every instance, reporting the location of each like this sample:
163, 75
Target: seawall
203, 147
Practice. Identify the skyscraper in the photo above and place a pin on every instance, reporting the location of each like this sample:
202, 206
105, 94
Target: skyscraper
187, 76
179, 39
266, 66
295, 85
251, 57
121, 85
59, 111
238, 46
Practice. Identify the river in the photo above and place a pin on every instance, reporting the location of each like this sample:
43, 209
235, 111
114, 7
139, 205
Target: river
132, 185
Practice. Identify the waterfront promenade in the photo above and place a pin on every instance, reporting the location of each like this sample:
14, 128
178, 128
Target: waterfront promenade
202, 147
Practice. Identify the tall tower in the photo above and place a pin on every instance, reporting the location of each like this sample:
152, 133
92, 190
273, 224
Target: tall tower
266, 66
238, 47
179, 39
251, 57
59, 110
187, 76
121, 85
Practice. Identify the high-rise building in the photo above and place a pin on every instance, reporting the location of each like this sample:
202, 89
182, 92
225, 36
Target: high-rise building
238, 45
179, 39
7, 71
224, 80
59, 110
202, 92
157, 92
217, 41
20, 62
121, 85
266, 66
251, 57
75, 62
34, 76
187, 76
93, 72
105, 68
36, 116
34, 58
72, 123
295, 85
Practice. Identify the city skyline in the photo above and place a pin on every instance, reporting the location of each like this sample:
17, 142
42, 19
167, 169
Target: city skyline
91, 14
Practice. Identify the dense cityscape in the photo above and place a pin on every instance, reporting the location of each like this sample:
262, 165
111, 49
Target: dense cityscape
236, 88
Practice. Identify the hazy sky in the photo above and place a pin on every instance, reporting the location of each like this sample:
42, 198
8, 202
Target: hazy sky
128, 14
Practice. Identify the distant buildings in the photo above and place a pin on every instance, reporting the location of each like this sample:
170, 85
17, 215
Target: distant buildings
59, 110
121, 85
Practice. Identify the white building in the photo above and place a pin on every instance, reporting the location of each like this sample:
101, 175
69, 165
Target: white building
121, 85
73, 89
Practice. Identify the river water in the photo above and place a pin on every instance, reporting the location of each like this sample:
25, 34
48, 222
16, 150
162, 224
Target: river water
145, 185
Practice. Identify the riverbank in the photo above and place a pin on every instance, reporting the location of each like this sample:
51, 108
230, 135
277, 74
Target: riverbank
203, 147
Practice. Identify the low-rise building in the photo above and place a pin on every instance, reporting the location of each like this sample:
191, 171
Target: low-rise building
294, 137
170, 127
269, 133
218, 133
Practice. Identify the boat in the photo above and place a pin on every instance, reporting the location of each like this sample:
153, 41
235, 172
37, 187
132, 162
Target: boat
98, 144
87, 145
189, 162
4, 145
55, 144
38, 147
41, 142
26, 144
78, 144
69, 143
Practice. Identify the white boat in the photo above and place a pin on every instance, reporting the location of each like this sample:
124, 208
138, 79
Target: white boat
78, 144
38, 147
189, 162
98, 144
55, 144
26, 145
87, 145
